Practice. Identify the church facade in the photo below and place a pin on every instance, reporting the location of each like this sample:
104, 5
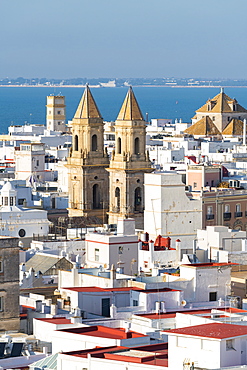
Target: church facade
99, 186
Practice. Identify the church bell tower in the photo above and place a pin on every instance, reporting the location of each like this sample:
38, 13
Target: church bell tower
128, 164
87, 163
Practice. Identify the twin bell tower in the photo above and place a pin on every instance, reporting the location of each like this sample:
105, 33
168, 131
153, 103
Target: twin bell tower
99, 186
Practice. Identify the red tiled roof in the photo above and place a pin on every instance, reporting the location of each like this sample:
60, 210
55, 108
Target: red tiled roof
212, 330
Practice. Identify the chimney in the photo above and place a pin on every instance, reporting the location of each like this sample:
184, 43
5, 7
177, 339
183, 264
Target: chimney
113, 311
157, 307
53, 309
113, 272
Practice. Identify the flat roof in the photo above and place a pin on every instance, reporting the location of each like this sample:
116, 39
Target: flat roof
99, 290
209, 264
155, 355
147, 291
56, 320
212, 330
104, 332
124, 289
172, 314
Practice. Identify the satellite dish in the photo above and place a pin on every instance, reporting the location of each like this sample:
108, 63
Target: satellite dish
183, 303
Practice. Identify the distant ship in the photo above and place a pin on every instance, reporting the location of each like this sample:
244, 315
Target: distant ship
108, 84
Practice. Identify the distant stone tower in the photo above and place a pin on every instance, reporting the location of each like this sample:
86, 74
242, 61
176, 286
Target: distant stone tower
87, 163
128, 164
56, 113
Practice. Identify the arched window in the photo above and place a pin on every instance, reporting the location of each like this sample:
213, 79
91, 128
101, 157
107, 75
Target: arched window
138, 199
119, 149
137, 142
96, 197
117, 196
94, 143
76, 143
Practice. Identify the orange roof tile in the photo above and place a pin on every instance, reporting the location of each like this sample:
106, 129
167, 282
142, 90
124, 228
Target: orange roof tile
221, 103
204, 127
234, 127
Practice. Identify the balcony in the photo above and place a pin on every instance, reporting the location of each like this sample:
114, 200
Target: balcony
238, 214
210, 217
227, 216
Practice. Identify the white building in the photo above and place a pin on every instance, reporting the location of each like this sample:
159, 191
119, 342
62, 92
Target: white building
106, 249
208, 346
209, 282
17, 221
220, 244
30, 161
168, 210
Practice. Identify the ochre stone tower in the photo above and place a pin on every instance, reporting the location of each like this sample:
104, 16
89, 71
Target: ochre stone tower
55, 113
87, 163
128, 164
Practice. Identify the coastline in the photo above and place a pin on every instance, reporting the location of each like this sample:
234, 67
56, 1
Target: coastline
112, 87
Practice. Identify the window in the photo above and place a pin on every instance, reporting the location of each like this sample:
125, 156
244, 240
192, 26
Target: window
228, 118
238, 208
21, 202
94, 143
227, 208
230, 345
22, 233
135, 302
138, 199
11, 201
213, 118
37, 162
96, 197
212, 296
209, 210
117, 196
58, 122
119, 149
58, 112
1, 266
96, 254
194, 184
6, 201
76, 143
137, 142
1, 303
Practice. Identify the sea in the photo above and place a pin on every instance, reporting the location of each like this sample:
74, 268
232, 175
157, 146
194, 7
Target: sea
27, 105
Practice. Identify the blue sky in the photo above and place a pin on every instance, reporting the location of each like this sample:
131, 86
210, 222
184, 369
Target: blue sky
123, 38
